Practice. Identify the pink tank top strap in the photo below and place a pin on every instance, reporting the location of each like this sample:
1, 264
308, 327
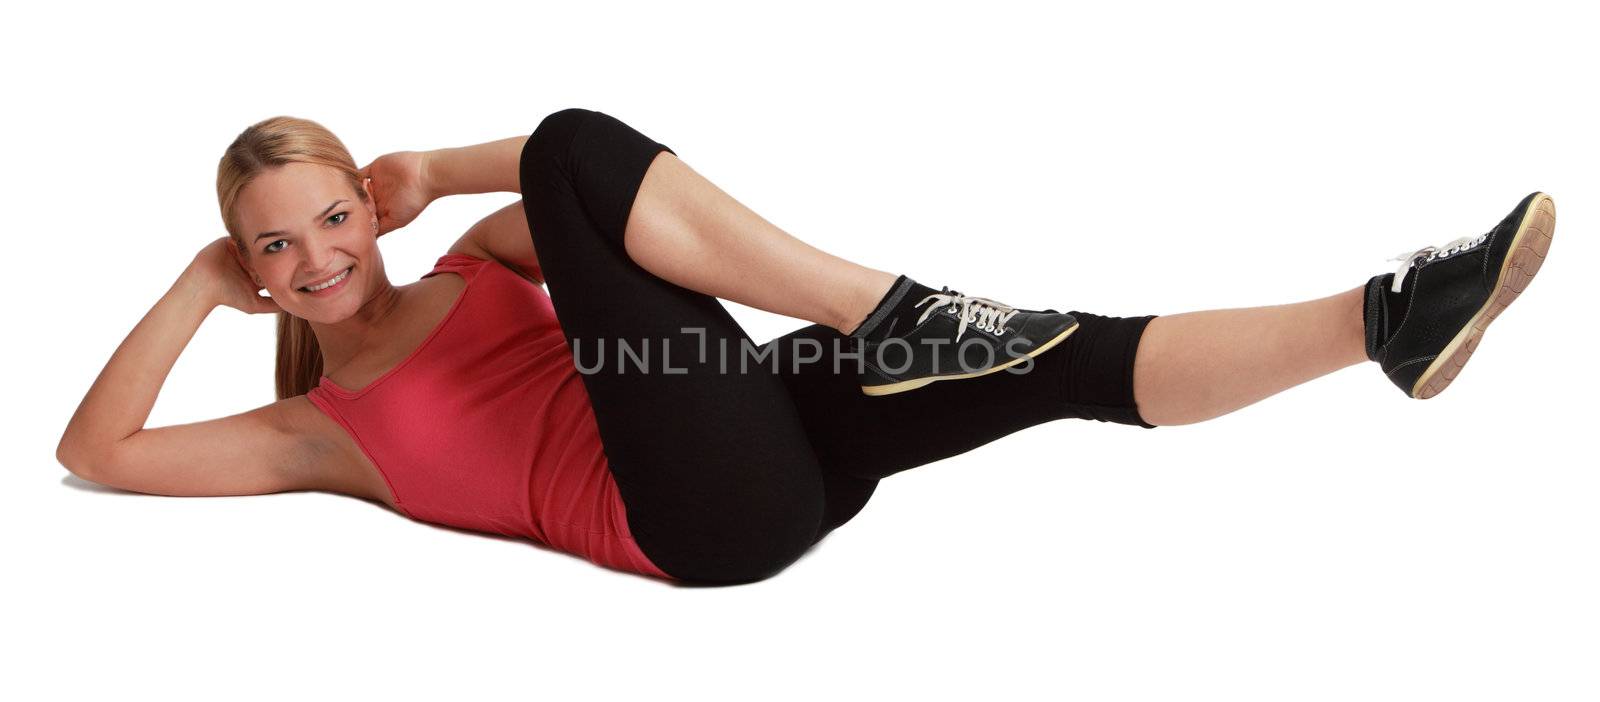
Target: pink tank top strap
464, 265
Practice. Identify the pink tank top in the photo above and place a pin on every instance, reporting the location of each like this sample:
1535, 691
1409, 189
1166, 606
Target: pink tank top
487, 425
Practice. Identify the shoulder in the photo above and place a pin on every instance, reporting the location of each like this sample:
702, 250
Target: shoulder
471, 249
468, 246
504, 237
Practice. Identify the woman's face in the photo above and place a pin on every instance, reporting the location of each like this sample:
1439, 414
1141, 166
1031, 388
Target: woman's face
302, 225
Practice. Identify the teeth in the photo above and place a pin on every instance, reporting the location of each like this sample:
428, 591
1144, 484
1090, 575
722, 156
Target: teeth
330, 283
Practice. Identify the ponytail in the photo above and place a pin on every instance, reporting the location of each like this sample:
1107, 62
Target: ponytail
299, 357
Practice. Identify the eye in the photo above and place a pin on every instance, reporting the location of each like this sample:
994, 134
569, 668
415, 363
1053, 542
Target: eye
343, 215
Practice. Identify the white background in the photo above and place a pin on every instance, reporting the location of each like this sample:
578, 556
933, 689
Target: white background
1336, 541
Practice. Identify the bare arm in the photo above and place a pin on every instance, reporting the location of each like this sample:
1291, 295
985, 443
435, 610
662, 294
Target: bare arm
249, 453
505, 237
404, 182
491, 167
120, 400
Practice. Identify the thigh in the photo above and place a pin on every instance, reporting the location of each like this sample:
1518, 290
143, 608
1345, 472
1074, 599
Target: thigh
715, 469
1087, 376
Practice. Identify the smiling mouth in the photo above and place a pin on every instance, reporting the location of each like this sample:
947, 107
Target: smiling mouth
330, 282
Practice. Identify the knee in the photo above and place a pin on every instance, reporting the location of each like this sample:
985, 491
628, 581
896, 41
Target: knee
551, 141
561, 123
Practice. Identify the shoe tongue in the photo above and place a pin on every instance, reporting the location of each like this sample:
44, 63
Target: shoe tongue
1405, 283
1384, 309
1396, 303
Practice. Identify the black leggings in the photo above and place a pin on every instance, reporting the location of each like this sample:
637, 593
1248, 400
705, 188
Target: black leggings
730, 476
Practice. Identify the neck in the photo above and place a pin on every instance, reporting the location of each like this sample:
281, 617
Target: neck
363, 332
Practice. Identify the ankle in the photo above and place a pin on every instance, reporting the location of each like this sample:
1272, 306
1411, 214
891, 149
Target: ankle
863, 300
1354, 345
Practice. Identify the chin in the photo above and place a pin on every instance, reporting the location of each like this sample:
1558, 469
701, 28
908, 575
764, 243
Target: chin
329, 311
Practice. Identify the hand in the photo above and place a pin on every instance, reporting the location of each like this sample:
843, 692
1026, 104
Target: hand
222, 270
399, 186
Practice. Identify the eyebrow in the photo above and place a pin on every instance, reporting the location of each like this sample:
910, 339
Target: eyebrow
278, 232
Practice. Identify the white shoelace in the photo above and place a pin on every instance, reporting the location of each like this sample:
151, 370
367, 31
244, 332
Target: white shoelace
981, 312
1428, 253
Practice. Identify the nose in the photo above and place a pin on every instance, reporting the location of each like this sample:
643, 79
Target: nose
317, 257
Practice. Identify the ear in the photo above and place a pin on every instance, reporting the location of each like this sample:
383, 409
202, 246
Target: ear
244, 263
372, 202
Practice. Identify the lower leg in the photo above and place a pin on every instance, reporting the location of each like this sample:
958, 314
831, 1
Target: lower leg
1196, 366
689, 232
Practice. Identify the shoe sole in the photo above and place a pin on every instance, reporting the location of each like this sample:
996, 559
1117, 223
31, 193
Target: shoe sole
1528, 251
904, 385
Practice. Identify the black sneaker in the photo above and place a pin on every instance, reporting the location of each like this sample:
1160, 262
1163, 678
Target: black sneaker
959, 337
1424, 320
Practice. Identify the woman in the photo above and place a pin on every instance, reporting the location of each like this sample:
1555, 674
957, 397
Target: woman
645, 431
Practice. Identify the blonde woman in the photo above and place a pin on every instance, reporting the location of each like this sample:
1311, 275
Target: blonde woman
624, 416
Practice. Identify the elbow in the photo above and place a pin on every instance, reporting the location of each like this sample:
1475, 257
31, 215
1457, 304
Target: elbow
76, 460
65, 454
72, 461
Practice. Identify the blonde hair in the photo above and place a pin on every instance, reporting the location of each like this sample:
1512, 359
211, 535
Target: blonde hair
268, 144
